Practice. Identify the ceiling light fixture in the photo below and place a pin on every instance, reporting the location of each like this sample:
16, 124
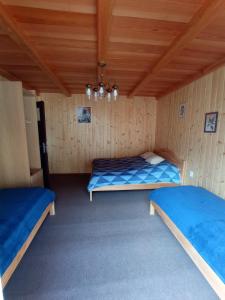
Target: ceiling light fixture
101, 89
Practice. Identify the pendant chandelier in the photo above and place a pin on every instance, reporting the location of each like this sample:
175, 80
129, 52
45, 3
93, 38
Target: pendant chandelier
102, 89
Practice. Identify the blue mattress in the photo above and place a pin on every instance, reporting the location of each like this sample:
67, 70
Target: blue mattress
20, 209
200, 216
131, 170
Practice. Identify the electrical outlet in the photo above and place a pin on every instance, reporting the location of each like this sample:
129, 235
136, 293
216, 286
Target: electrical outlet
191, 174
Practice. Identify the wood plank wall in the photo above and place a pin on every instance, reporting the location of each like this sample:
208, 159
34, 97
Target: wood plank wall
121, 128
204, 152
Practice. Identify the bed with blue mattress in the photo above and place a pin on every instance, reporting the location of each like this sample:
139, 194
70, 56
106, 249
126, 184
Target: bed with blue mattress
132, 173
22, 211
197, 219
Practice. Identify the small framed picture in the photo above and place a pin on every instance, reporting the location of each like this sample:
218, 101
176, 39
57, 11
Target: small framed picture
211, 122
182, 110
84, 114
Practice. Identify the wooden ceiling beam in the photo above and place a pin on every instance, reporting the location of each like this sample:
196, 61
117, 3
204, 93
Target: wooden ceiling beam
16, 33
12, 77
104, 20
212, 67
199, 21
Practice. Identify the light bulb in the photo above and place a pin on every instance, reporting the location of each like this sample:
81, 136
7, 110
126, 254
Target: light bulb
95, 91
115, 91
109, 94
101, 89
88, 91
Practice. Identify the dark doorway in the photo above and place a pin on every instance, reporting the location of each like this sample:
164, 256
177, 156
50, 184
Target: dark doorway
43, 141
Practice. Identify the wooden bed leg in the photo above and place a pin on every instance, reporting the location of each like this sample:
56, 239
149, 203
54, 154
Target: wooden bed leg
90, 196
52, 209
152, 209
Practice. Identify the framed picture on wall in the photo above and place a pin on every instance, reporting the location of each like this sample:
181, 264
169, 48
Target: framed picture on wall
84, 114
211, 122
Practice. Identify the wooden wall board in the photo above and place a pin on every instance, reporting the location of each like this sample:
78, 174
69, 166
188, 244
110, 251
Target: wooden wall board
36, 178
14, 163
204, 152
121, 128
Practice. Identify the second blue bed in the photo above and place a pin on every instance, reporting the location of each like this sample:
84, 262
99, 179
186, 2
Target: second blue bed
200, 217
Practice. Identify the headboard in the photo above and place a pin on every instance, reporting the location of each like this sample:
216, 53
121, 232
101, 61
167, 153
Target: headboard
170, 156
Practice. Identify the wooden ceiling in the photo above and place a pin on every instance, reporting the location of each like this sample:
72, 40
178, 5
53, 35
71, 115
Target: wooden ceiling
151, 47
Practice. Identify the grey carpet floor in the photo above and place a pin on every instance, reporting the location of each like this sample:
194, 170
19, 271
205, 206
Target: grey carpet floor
110, 249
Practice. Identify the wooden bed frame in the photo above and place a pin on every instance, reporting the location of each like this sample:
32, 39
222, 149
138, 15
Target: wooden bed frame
11, 268
212, 278
168, 155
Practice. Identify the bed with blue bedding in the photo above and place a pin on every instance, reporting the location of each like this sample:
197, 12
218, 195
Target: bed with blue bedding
22, 210
197, 219
132, 173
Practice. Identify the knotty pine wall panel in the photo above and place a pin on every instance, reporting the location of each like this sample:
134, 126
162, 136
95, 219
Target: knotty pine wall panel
204, 152
121, 128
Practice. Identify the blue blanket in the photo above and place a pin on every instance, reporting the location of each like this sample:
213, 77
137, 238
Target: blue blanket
20, 209
200, 216
131, 170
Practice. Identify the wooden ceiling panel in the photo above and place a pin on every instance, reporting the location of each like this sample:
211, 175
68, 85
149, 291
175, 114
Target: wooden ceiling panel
43, 85
8, 45
217, 47
157, 83
128, 48
61, 31
16, 33
69, 55
176, 72
60, 65
61, 41
215, 30
25, 69
202, 54
139, 41
78, 69
8, 58
84, 6
128, 64
166, 10
180, 65
52, 17
57, 43
213, 34
36, 78
199, 21
132, 57
145, 29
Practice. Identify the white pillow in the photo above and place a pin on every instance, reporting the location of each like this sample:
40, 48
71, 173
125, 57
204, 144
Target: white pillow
155, 159
146, 155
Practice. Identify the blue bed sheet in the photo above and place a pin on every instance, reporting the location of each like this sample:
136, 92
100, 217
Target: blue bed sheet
131, 170
200, 216
20, 209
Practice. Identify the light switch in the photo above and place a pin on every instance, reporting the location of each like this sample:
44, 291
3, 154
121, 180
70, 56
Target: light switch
191, 174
